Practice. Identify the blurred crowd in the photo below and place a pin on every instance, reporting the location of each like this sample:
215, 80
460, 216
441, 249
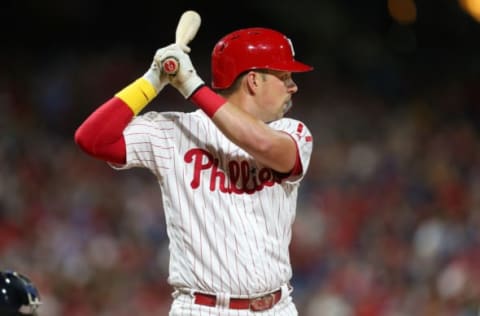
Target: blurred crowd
388, 220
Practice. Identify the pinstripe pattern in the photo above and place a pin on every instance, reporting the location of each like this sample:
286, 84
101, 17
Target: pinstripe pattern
228, 222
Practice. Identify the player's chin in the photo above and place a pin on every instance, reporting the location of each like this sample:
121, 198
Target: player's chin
286, 107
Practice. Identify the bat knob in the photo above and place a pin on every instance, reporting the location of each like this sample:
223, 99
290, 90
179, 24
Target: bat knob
170, 65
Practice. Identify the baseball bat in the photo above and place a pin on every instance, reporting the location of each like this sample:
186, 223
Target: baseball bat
187, 28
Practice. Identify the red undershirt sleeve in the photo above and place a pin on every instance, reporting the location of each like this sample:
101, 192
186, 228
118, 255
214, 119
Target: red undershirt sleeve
101, 134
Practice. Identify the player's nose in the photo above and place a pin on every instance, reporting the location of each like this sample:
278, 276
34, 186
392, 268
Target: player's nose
291, 86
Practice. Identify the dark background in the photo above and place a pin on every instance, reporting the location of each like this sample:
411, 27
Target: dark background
355, 42
388, 214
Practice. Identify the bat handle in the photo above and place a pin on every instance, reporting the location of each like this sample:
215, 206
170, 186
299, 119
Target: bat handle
170, 65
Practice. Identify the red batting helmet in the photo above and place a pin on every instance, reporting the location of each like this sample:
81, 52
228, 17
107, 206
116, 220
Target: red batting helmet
252, 48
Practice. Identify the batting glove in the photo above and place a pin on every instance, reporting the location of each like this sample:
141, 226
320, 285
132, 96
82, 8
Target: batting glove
185, 80
154, 74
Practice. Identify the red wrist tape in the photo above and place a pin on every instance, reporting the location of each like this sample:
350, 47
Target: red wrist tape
206, 99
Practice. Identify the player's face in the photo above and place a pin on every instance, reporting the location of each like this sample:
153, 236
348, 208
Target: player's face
275, 94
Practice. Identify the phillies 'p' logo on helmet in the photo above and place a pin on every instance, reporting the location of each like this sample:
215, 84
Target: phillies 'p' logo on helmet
252, 48
18, 295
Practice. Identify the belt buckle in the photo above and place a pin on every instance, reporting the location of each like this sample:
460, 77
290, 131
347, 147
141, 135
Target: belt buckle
262, 303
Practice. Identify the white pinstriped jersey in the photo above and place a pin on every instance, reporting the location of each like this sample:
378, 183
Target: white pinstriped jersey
228, 219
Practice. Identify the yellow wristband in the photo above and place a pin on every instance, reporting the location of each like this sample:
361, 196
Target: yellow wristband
137, 95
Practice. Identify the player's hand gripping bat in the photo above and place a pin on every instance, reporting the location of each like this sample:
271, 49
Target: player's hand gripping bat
187, 28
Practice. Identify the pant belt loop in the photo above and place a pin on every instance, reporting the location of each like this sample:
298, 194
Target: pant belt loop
176, 293
223, 300
286, 290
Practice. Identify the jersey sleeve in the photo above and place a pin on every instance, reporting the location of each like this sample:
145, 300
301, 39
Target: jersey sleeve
148, 141
304, 141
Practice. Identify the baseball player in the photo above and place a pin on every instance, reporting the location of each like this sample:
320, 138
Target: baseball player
228, 172
18, 295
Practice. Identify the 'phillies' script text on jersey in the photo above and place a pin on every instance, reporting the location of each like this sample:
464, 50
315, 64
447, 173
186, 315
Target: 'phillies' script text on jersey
242, 179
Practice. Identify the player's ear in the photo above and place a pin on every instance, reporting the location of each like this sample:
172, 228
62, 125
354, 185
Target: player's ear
251, 80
